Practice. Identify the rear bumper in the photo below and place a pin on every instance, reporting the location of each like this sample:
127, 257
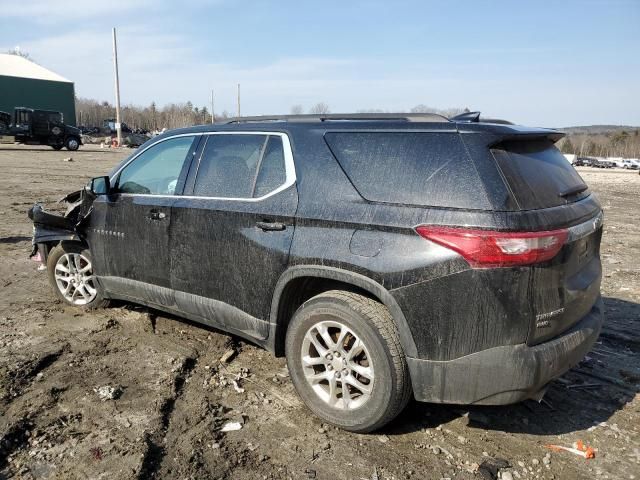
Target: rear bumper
506, 374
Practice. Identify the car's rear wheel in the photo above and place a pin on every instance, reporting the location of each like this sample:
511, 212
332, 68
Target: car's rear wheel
70, 269
346, 361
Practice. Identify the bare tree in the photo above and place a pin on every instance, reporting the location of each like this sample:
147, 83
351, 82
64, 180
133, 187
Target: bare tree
447, 112
297, 109
320, 108
422, 108
16, 51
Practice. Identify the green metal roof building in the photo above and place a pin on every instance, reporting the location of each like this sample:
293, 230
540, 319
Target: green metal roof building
27, 84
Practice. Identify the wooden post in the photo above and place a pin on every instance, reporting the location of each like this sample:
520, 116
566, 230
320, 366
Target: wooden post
117, 80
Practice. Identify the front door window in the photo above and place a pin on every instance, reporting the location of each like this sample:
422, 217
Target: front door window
156, 170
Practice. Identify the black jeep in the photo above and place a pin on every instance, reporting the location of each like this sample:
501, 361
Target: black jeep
40, 127
388, 257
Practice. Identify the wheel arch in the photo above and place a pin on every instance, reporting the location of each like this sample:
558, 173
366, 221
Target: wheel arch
287, 298
44, 242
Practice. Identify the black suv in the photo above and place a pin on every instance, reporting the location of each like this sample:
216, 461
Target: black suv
387, 257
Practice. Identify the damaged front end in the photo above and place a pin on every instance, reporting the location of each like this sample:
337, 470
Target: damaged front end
51, 228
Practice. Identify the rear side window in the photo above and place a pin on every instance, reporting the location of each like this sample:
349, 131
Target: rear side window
271, 173
414, 168
538, 174
240, 166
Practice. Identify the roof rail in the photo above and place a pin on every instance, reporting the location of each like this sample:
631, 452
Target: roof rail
406, 117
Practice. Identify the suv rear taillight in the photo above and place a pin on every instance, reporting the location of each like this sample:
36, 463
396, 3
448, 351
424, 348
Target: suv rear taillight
488, 248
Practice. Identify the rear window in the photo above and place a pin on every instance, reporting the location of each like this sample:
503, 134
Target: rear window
240, 166
413, 168
538, 174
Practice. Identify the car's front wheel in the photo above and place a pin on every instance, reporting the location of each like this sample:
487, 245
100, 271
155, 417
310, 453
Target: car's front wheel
346, 361
70, 270
72, 143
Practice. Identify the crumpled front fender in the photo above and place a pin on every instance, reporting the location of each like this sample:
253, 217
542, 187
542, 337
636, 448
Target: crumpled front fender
50, 227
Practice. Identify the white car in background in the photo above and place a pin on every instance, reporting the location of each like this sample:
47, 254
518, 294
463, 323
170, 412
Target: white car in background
631, 163
616, 161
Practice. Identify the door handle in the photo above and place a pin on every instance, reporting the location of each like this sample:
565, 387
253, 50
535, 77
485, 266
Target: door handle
155, 215
271, 226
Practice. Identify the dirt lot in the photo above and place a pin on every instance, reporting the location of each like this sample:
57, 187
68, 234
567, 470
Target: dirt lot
173, 395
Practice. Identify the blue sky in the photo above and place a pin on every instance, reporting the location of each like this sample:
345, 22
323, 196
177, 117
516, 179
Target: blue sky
549, 63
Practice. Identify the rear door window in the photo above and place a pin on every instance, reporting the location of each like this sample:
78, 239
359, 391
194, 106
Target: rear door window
240, 166
414, 168
272, 172
538, 174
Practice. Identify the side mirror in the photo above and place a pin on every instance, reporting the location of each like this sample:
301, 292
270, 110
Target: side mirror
99, 185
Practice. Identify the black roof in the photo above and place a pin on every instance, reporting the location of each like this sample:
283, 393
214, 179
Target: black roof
469, 122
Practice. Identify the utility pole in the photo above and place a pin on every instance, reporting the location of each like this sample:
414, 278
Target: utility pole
117, 80
238, 100
213, 115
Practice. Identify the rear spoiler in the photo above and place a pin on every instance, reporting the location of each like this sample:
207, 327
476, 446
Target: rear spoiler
474, 117
551, 135
502, 130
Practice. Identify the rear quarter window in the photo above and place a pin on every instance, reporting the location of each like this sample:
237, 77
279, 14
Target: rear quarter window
412, 168
538, 175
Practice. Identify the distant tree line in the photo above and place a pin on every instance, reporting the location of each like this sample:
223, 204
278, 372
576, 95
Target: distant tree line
609, 144
92, 113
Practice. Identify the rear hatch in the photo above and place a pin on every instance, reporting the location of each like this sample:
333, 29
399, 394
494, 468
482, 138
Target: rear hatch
540, 179
487, 183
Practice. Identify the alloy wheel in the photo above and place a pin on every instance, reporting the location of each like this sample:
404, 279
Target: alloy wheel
74, 278
337, 365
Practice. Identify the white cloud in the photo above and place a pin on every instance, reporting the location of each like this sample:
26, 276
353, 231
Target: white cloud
64, 11
166, 67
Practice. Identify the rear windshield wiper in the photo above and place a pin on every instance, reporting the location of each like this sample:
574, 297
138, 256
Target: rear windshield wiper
573, 190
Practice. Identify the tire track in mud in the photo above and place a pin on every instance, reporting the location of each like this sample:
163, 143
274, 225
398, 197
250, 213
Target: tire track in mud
24, 374
156, 451
16, 435
14, 439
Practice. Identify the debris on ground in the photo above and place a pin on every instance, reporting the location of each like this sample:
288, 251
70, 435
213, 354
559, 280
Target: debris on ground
231, 427
68, 159
237, 387
490, 467
579, 448
108, 392
228, 356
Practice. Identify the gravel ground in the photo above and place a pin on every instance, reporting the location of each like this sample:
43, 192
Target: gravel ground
127, 392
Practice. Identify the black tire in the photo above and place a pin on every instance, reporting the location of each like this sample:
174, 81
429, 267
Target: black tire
371, 322
72, 143
55, 255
